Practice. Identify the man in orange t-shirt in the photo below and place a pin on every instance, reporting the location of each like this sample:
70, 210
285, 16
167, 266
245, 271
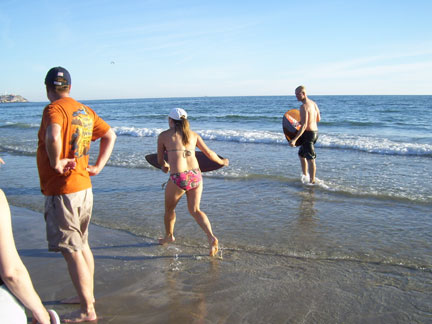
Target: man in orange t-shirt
65, 134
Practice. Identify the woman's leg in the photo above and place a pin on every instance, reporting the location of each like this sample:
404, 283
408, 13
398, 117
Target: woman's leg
172, 196
194, 200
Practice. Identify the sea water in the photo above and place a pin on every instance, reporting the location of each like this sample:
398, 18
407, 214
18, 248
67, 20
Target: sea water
371, 206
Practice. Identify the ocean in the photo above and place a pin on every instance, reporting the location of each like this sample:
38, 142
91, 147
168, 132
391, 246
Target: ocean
364, 230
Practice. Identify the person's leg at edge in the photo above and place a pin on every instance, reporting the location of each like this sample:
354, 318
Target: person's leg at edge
304, 166
82, 277
312, 169
172, 196
194, 200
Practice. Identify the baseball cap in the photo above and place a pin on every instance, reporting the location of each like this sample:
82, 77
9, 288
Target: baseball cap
177, 113
58, 76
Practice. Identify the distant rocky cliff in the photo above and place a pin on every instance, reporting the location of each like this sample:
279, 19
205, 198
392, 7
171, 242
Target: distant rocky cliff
12, 98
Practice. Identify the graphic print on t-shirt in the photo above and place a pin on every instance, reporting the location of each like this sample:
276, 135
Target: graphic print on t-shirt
82, 125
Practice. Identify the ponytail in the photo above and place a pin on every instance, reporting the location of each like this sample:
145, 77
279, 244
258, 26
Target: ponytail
183, 127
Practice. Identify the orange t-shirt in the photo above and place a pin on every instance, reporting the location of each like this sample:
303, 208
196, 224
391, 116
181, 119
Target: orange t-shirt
79, 126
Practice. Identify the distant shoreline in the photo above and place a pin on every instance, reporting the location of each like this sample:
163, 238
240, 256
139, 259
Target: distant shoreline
12, 98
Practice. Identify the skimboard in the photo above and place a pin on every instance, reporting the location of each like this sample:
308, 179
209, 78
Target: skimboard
204, 162
291, 124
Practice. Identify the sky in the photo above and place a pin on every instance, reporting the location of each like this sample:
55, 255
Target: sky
164, 48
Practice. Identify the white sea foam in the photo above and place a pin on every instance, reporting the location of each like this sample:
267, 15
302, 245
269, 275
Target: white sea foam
137, 132
374, 145
351, 142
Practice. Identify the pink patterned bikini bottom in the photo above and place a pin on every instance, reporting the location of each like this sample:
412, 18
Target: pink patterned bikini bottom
187, 180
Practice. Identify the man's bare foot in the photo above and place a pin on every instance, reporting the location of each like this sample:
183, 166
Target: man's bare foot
167, 239
79, 317
214, 247
72, 300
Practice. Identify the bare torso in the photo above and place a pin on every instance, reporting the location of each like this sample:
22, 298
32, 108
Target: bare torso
310, 115
180, 158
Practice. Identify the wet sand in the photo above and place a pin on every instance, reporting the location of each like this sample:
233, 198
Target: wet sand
138, 281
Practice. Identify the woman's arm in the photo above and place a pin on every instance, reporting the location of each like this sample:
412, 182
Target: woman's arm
209, 153
13, 272
160, 154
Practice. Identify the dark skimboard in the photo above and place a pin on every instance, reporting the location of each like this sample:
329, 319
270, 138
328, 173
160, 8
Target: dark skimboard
291, 124
204, 162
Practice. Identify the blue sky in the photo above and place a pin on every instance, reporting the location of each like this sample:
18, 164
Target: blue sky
147, 49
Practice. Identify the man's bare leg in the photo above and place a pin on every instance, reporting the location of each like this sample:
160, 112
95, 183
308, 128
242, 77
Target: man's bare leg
88, 256
312, 170
304, 167
82, 278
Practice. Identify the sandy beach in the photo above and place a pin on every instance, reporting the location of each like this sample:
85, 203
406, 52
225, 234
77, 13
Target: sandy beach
354, 249
138, 281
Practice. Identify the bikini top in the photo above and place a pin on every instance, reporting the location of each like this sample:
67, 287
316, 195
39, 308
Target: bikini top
186, 152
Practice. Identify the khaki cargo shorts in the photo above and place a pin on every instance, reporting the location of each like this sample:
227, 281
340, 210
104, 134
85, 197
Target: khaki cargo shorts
67, 219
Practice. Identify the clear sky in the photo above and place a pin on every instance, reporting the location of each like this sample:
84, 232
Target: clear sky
165, 48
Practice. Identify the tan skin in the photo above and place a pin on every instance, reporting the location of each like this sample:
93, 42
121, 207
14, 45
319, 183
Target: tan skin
171, 140
309, 118
13, 271
80, 263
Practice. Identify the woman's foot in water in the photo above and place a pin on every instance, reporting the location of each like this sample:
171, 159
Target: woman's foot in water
214, 246
169, 238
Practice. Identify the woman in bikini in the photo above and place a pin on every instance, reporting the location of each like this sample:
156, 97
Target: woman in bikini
185, 176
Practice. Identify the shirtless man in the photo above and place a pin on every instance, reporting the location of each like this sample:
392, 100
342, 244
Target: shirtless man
310, 116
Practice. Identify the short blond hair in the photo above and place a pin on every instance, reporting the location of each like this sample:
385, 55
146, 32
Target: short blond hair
301, 88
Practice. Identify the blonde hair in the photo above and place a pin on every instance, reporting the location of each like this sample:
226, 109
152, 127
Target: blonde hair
300, 89
182, 126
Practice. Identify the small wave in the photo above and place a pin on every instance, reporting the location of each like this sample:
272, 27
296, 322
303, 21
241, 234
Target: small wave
278, 252
242, 118
352, 123
356, 142
242, 136
340, 257
25, 151
137, 132
374, 145
19, 125
239, 136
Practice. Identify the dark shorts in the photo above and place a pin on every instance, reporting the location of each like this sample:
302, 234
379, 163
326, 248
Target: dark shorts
307, 149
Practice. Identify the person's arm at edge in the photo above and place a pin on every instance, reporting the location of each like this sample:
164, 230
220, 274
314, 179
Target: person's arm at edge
106, 147
209, 153
165, 167
53, 144
318, 119
13, 271
1, 161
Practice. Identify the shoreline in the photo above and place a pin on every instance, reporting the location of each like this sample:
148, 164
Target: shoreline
139, 281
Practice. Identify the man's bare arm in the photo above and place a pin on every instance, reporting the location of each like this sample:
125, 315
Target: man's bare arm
106, 147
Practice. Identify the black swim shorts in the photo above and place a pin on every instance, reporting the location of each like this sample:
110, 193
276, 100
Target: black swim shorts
307, 149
